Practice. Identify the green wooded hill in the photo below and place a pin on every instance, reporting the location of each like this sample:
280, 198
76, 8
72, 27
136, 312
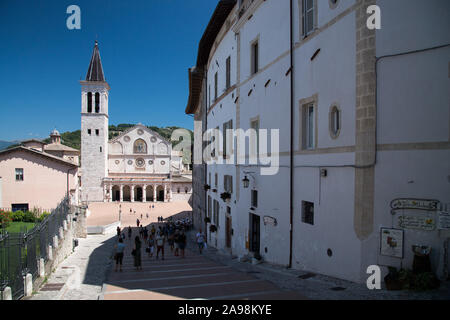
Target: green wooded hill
73, 139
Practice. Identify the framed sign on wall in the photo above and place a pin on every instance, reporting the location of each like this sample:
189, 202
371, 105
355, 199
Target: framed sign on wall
391, 242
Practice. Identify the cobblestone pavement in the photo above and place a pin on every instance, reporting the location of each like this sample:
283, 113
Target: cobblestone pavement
319, 287
81, 275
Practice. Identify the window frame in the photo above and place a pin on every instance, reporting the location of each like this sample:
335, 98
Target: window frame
19, 175
254, 56
335, 121
308, 128
304, 12
254, 198
308, 215
228, 73
258, 122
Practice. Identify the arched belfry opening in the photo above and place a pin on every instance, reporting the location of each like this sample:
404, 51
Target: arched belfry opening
89, 102
97, 102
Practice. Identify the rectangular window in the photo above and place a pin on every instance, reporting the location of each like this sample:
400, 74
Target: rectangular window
19, 174
228, 81
308, 212
101, 150
254, 140
209, 206
89, 131
216, 179
228, 183
216, 83
97, 132
209, 179
254, 198
19, 206
255, 57
216, 213
308, 126
308, 17
227, 138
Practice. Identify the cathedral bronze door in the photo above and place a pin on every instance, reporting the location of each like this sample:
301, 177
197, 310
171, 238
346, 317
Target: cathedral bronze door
139, 194
161, 195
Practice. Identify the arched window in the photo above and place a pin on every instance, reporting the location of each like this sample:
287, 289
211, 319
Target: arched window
89, 102
97, 102
140, 146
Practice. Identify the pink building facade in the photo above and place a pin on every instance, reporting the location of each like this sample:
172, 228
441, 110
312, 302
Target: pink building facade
33, 179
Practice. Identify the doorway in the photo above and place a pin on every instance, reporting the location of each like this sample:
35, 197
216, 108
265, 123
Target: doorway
254, 233
138, 194
228, 231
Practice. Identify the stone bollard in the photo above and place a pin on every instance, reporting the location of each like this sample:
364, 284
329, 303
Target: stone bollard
28, 285
41, 268
65, 225
7, 294
55, 242
50, 253
61, 233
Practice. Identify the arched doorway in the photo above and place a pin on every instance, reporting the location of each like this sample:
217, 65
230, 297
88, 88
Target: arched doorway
149, 193
138, 194
126, 193
115, 193
160, 193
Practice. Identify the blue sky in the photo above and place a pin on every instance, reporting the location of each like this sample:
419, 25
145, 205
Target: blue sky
146, 48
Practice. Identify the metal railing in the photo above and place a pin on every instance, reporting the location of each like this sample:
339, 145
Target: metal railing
20, 252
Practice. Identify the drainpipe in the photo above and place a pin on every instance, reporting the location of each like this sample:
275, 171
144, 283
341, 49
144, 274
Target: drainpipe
291, 153
205, 167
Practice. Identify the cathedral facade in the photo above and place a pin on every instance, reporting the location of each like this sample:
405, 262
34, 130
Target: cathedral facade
139, 165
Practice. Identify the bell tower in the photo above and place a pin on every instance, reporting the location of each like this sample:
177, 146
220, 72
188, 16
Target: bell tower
94, 130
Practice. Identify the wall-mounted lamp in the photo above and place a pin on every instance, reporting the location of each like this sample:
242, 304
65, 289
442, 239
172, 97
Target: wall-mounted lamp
246, 182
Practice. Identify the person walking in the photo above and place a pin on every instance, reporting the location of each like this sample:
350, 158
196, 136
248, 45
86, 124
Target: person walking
153, 230
118, 231
176, 240
182, 243
145, 234
200, 240
137, 253
170, 238
138, 222
151, 246
119, 247
160, 245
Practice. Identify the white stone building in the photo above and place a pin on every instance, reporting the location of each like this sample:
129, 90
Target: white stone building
138, 165
363, 121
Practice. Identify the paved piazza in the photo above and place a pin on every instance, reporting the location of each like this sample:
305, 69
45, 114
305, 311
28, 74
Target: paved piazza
104, 213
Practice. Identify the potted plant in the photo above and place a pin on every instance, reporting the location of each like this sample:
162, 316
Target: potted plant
214, 190
212, 228
225, 195
207, 187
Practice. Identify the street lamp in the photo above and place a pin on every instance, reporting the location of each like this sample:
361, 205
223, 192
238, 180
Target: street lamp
246, 182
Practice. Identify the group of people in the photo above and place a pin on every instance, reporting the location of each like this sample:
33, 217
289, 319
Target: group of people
155, 238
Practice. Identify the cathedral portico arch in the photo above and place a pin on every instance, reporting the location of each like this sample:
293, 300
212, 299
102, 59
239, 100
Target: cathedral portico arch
116, 193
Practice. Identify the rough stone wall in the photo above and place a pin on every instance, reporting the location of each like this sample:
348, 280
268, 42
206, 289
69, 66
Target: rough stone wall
93, 161
365, 122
